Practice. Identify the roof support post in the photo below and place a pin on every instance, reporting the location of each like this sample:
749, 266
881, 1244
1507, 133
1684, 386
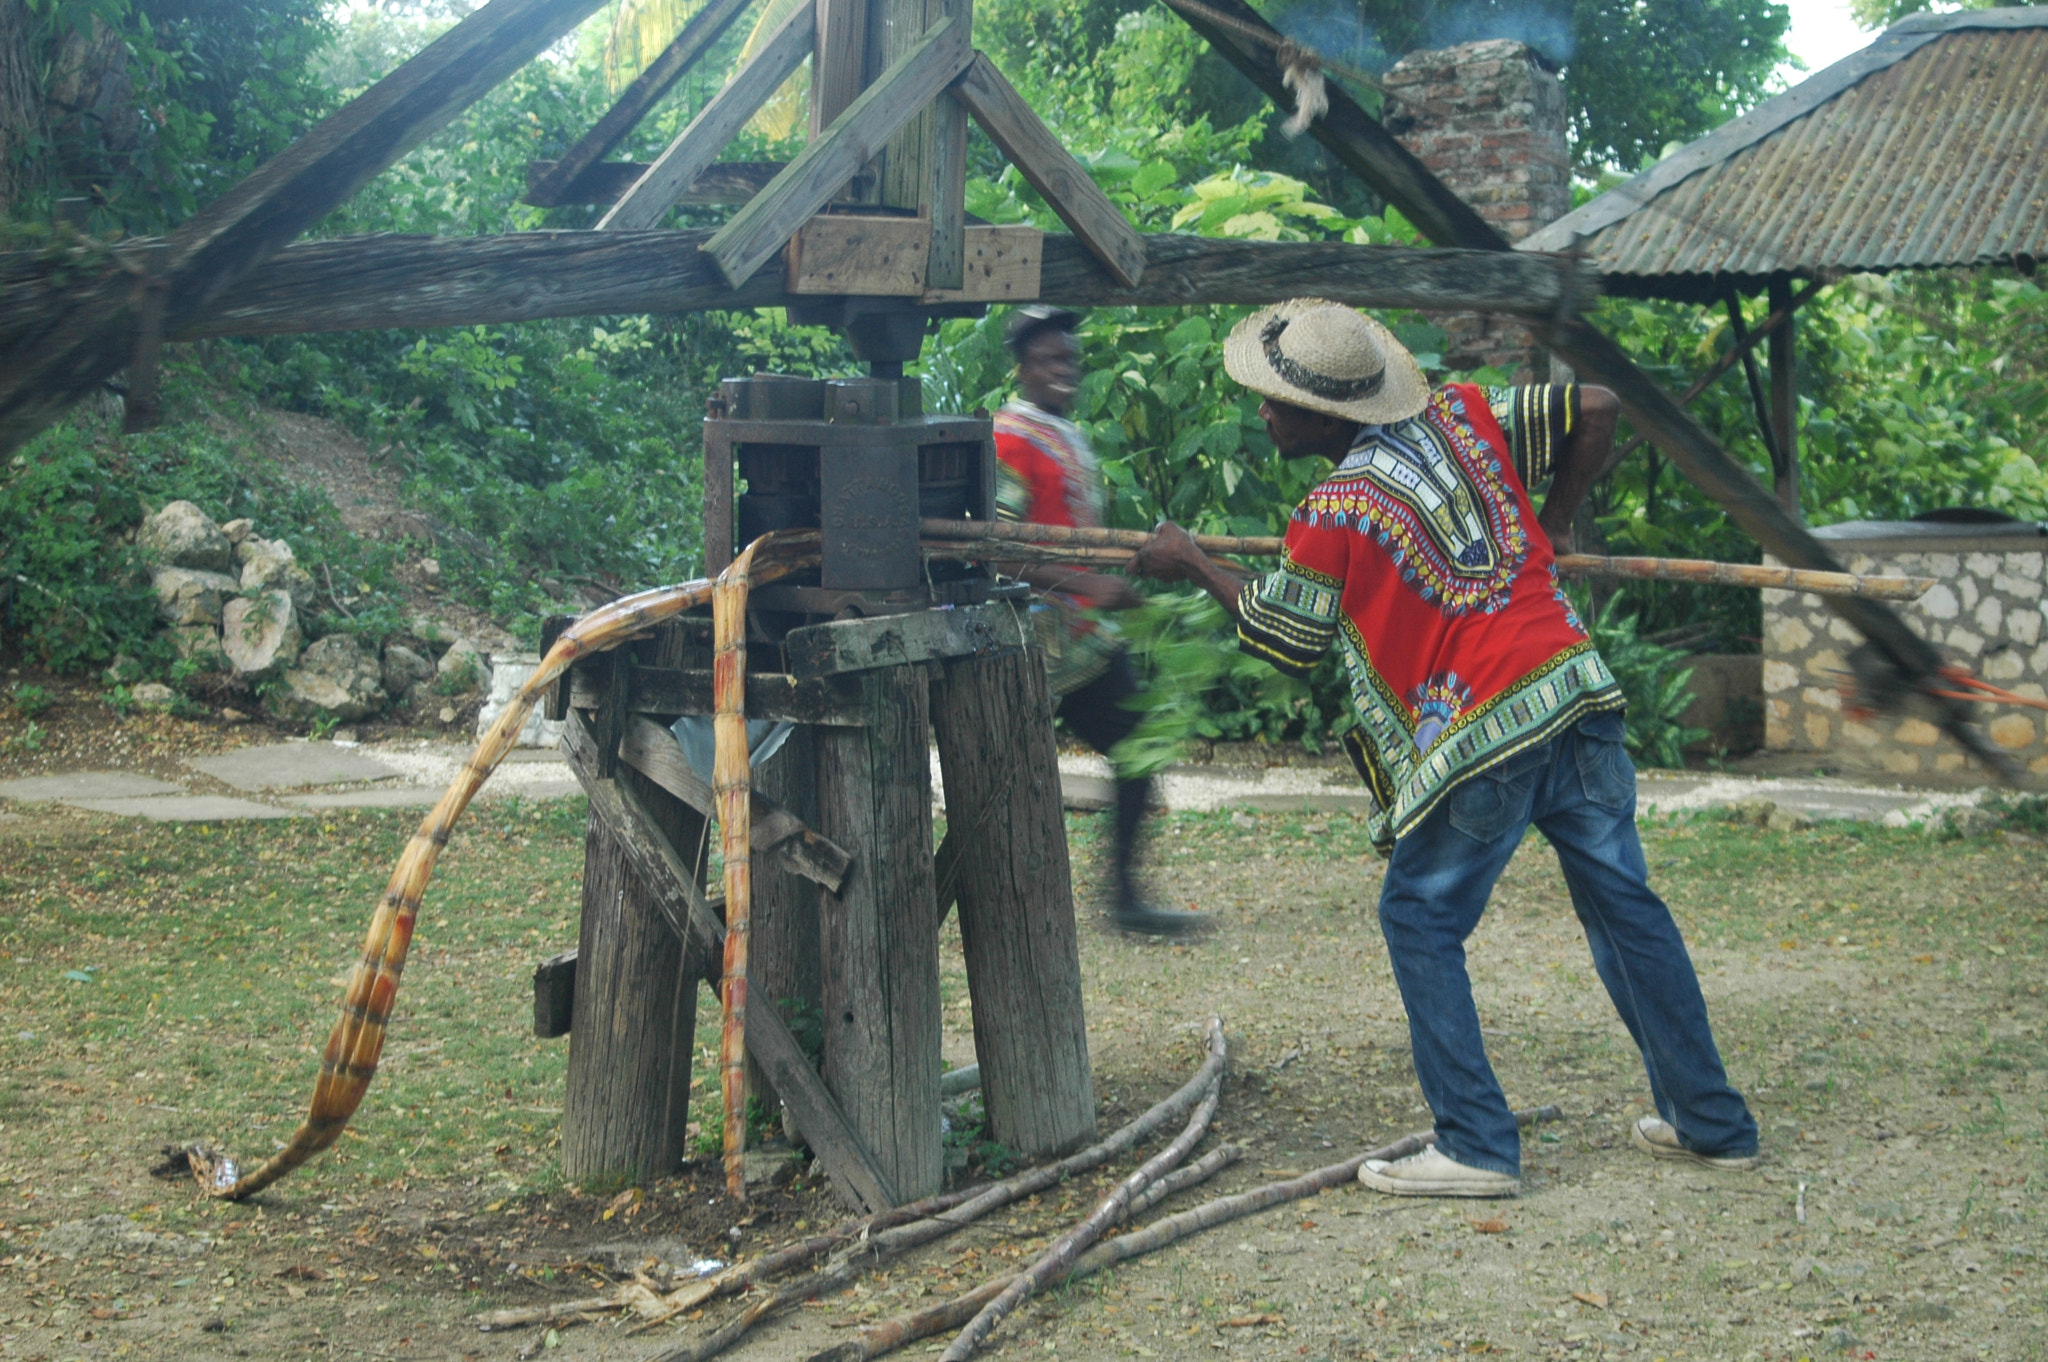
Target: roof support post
1766, 426
1784, 399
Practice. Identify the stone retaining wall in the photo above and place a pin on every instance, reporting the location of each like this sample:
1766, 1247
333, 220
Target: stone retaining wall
1988, 609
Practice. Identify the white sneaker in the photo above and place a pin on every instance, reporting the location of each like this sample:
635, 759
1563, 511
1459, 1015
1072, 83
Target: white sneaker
1431, 1173
1655, 1137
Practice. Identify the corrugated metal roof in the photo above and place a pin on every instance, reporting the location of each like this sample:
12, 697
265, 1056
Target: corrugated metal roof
1929, 148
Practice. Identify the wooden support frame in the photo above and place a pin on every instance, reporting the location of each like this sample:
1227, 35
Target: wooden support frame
698, 145
606, 183
651, 750
823, 168
1784, 396
846, 1160
706, 27
1051, 169
1755, 382
945, 194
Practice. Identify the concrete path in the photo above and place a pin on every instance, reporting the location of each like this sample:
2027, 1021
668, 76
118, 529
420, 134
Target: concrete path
289, 779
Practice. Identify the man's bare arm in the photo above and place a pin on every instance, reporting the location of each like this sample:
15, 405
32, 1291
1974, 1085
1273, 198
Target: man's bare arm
1098, 589
1579, 461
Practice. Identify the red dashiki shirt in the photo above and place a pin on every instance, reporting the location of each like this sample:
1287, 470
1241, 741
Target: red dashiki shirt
1047, 475
1421, 559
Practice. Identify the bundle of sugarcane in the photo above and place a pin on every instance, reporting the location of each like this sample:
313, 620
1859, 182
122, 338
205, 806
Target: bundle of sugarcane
357, 1040
1114, 548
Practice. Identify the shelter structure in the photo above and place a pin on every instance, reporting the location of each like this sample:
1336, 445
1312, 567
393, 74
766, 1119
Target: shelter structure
864, 230
1928, 149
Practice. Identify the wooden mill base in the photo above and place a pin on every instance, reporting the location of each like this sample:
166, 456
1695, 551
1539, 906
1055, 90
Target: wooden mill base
849, 898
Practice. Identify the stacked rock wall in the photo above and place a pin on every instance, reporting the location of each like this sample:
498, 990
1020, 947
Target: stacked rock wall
1988, 610
1496, 135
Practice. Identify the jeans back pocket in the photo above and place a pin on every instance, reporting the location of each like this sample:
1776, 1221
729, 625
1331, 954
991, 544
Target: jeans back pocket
1489, 805
1606, 773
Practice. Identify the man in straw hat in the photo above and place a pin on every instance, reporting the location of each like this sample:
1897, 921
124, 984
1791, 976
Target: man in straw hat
1046, 474
1482, 708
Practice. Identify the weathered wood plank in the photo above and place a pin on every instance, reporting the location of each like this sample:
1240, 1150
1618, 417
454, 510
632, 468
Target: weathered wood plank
770, 695
758, 231
699, 144
855, 1174
783, 963
607, 181
944, 202
353, 283
895, 640
87, 330
634, 1012
705, 27
880, 944
992, 717
840, 70
1030, 146
652, 750
844, 253
554, 995
997, 265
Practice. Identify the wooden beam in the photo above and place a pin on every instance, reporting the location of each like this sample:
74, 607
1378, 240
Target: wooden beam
944, 201
706, 27
352, 283
607, 182
1030, 146
90, 328
652, 750
758, 231
1360, 143
841, 69
896, 640
771, 696
698, 145
1785, 397
852, 1168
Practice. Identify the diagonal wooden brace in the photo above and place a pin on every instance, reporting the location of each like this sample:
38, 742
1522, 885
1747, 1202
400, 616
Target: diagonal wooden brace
698, 145
651, 750
853, 1170
822, 169
1030, 146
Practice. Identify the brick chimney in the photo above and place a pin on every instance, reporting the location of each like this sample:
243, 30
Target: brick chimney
1496, 135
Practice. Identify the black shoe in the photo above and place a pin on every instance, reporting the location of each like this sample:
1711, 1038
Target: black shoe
1149, 921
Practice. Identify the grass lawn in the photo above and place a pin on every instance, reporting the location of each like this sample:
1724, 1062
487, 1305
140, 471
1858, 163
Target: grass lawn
1878, 995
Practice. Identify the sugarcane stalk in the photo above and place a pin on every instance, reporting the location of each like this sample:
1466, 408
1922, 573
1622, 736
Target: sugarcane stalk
356, 1043
1060, 1257
1114, 548
732, 786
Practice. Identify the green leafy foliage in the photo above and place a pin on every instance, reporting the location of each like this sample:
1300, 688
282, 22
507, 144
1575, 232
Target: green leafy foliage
1654, 679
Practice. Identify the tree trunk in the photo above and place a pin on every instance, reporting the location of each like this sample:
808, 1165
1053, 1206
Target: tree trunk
993, 720
634, 1022
22, 132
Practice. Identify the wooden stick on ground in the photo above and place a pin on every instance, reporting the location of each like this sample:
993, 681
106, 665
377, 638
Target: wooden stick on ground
894, 1333
1060, 1257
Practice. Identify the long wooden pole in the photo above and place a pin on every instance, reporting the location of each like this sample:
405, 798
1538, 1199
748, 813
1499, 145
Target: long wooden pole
1066, 543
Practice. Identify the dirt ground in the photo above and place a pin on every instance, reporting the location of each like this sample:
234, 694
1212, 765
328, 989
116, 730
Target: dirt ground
1878, 995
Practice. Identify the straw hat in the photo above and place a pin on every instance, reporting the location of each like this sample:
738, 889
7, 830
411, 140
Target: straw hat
1328, 358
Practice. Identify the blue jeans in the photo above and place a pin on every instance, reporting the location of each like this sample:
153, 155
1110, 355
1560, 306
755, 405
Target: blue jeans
1580, 789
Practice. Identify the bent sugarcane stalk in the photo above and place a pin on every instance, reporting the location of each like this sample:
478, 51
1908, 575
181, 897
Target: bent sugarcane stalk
1053, 543
356, 1043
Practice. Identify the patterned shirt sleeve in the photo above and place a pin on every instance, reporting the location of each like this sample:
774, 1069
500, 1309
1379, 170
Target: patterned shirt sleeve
1289, 616
1537, 418
1013, 494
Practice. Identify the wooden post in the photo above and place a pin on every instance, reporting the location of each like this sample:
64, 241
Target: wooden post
783, 958
992, 716
879, 939
1785, 398
635, 1013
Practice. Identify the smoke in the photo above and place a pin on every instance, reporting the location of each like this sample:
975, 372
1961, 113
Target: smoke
1547, 30
1336, 30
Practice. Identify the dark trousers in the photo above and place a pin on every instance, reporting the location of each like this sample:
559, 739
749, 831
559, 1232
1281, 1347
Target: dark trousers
1096, 714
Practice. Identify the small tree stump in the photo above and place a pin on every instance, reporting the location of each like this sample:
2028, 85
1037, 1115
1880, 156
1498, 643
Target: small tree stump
635, 1013
993, 719
879, 940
